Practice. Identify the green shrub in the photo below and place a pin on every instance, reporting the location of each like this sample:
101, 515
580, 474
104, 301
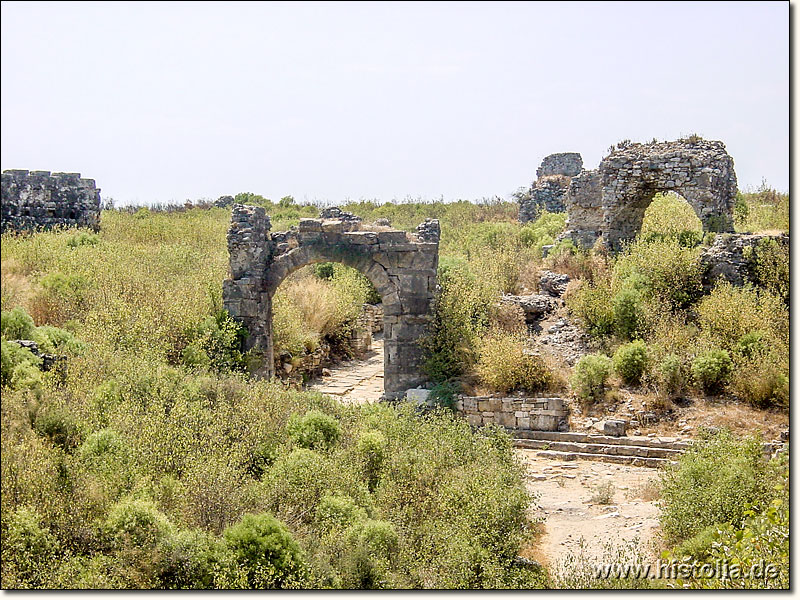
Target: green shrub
136, 522
189, 559
504, 365
19, 367
588, 379
54, 340
28, 549
58, 425
669, 216
370, 547
630, 361
371, 449
716, 481
215, 342
699, 546
16, 324
314, 430
379, 538
265, 553
751, 344
668, 271
711, 370
771, 267
101, 443
338, 512
761, 383
593, 305
627, 305
670, 375
83, 239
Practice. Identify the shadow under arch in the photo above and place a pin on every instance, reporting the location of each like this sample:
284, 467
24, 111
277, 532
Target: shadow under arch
401, 266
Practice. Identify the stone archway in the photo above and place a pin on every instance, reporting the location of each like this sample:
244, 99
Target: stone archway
401, 266
610, 202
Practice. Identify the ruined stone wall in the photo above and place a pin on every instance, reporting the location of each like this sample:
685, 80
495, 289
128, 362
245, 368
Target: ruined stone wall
41, 200
402, 267
732, 257
550, 188
627, 179
563, 163
539, 414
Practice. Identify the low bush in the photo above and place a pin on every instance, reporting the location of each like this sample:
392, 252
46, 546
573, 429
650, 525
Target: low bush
314, 430
593, 306
19, 367
16, 324
264, 554
136, 522
627, 306
59, 425
670, 376
337, 512
588, 380
371, 449
717, 480
504, 365
28, 550
190, 559
711, 370
667, 271
761, 383
630, 361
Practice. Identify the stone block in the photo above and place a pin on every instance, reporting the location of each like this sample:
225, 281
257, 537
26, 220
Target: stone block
310, 225
418, 396
614, 427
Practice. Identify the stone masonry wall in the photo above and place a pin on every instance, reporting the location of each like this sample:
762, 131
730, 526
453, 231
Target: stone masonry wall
550, 188
731, 257
402, 267
41, 200
541, 414
700, 170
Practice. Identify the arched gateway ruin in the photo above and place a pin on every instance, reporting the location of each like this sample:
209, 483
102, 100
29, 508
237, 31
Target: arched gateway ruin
610, 202
402, 267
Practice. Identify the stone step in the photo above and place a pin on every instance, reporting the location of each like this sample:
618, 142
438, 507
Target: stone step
602, 449
635, 461
586, 438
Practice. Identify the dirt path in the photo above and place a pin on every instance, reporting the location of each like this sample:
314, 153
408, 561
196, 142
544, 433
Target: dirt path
572, 520
356, 381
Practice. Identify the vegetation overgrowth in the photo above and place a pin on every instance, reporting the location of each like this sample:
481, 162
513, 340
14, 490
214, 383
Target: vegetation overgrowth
148, 458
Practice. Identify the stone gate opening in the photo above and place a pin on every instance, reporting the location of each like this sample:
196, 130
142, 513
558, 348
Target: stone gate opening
402, 267
609, 202
671, 215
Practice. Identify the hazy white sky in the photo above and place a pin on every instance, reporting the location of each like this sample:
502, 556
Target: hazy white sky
163, 102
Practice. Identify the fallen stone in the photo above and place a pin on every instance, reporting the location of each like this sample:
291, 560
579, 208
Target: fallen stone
553, 284
614, 427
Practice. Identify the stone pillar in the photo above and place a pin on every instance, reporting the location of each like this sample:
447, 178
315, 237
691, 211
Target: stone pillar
244, 297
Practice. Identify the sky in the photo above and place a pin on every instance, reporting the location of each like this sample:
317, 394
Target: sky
330, 102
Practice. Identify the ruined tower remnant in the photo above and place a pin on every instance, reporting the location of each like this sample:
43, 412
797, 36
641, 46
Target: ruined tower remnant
41, 200
402, 267
610, 202
550, 188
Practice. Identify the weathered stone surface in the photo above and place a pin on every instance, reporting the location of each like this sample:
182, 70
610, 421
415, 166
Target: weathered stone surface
732, 257
610, 202
553, 284
614, 427
535, 306
543, 414
40, 200
402, 268
550, 188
